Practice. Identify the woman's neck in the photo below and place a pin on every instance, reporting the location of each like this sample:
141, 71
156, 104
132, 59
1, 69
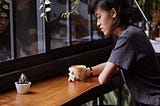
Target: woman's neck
119, 30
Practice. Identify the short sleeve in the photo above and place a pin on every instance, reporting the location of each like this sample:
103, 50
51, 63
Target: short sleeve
123, 53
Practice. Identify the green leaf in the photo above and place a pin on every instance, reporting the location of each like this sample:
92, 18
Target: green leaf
65, 14
45, 17
47, 2
41, 6
6, 7
48, 9
77, 2
2, 14
42, 14
23, 79
7, 1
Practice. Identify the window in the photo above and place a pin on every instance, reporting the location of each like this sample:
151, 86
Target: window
24, 33
30, 38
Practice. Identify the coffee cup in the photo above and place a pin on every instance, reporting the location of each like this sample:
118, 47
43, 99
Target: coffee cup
78, 71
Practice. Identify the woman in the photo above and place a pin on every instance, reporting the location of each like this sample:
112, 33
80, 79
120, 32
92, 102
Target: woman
133, 53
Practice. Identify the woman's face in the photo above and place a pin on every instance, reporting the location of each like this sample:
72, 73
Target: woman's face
104, 20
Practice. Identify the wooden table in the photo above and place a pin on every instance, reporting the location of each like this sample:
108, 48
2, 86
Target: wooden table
54, 92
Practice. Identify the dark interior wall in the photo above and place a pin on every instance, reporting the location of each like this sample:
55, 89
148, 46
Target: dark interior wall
158, 55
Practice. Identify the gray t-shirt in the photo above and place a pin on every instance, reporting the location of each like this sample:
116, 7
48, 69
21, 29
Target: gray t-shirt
134, 54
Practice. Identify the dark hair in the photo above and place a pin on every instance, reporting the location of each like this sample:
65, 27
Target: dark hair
122, 7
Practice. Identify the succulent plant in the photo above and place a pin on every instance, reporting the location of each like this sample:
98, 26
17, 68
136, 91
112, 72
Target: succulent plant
23, 79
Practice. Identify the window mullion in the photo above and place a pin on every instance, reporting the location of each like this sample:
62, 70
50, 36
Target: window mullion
69, 35
90, 24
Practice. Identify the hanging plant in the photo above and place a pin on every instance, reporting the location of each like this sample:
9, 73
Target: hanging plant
74, 9
4, 8
44, 7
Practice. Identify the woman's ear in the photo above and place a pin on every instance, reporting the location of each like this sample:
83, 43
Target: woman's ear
113, 13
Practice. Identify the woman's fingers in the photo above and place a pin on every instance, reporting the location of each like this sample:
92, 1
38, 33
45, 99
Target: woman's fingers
71, 77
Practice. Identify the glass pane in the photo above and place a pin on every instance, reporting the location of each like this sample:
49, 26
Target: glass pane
80, 24
5, 44
26, 33
57, 25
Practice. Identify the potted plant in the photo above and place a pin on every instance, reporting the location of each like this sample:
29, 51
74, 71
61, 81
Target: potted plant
22, 85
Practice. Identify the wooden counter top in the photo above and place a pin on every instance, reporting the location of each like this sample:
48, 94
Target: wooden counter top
54, 92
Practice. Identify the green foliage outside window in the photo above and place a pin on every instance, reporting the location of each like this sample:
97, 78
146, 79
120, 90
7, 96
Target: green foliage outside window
44, 7
4, 8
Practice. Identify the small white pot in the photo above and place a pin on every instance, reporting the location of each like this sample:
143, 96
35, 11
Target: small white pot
22, 88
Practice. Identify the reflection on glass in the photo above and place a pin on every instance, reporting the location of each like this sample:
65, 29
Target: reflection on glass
80, 24
57, 25
5, 45
26, 28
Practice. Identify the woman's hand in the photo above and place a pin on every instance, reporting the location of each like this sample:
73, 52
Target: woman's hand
72, 76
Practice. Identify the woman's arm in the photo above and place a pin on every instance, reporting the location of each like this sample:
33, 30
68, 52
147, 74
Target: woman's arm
109, 70
104, 71
96, 70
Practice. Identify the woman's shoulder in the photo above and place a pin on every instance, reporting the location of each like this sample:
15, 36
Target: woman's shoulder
132, 30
